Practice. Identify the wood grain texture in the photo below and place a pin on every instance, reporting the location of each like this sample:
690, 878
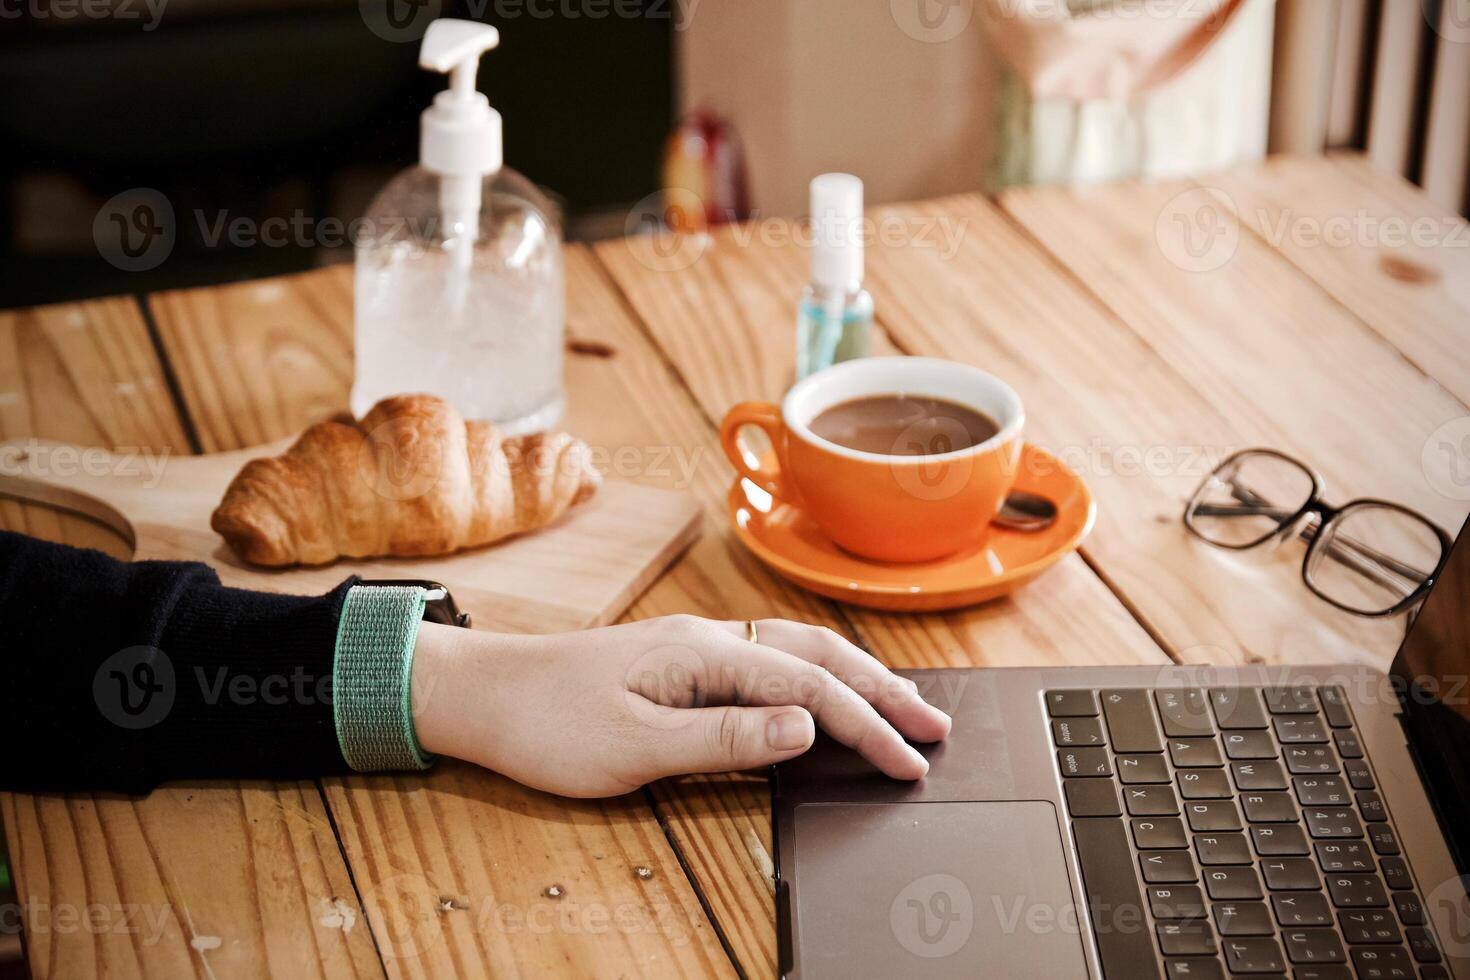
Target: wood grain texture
467, 837
117, 885
725, 323
82, 373
1256, 354
1373, 241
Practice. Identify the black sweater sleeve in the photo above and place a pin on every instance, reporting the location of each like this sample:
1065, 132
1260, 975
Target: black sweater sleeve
119, 675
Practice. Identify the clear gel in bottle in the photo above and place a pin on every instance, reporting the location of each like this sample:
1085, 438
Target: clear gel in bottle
834, 321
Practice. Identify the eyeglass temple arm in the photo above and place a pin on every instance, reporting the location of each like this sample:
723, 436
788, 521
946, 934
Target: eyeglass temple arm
1346, 548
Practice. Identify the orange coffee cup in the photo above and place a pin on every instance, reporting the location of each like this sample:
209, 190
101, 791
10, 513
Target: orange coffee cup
895, 508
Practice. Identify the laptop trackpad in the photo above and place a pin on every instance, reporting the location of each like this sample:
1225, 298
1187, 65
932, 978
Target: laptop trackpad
933, 890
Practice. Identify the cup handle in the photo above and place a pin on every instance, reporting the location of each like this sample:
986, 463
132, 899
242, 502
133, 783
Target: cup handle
764, 416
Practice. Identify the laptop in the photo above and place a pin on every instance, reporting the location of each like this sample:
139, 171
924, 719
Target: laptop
1141, 822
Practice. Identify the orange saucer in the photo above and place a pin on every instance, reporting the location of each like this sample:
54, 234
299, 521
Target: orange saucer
783, 537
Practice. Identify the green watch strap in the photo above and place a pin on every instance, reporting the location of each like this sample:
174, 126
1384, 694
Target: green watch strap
370, 678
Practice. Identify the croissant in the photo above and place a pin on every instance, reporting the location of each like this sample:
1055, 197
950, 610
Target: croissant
411, 478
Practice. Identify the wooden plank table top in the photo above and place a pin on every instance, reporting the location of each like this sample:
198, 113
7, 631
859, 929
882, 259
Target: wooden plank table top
1150, 327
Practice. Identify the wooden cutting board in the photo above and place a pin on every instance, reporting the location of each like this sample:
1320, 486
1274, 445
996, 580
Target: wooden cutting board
582, 571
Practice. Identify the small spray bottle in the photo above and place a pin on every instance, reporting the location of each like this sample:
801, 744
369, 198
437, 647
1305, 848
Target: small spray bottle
835, 319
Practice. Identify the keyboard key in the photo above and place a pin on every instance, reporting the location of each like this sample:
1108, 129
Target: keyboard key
1292, 730
1332, 822
1084, 762
1385, 963
1358, 774
1334, 706
1346, 856
1322, 791
1131, 721
1253, 955
1175, 902
1068, 732
1184, 712
1258, 775
1313, 946
1214, 849
1238, 707
1396, 873
1249, 745
1357, 891
1269, 808
1368, 927
1071, 704
1167, 867
1283, 840
1384, 841
1190, 753
1114, 898
1146, 768
1348, 745
1208, 815
1232, 884
1194, 969
1188, 937
1159, 833
1421, 944
1150, 801
1370, 805
1291, 874
1204, 784
1291, 700
1433, 973
1411, 913
1322, 973
1301, 909
1305, 759
1091, 798
1243, 919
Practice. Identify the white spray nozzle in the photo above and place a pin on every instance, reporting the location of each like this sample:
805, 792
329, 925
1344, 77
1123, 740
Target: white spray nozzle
837, 230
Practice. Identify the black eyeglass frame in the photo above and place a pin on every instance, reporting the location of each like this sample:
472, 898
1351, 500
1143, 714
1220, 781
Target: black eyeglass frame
1326, 513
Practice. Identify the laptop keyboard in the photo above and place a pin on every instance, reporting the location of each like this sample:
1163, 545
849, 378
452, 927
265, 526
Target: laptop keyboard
1235, 832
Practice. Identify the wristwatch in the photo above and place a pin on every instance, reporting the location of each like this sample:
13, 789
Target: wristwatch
439, 605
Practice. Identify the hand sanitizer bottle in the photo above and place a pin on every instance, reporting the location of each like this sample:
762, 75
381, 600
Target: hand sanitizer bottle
459, 289
835, 319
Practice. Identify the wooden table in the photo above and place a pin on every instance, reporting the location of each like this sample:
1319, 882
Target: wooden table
1142, 356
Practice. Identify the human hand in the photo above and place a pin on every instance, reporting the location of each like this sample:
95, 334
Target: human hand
602, 712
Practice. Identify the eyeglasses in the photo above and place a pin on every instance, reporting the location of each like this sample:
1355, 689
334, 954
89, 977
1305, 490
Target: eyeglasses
1368, 557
